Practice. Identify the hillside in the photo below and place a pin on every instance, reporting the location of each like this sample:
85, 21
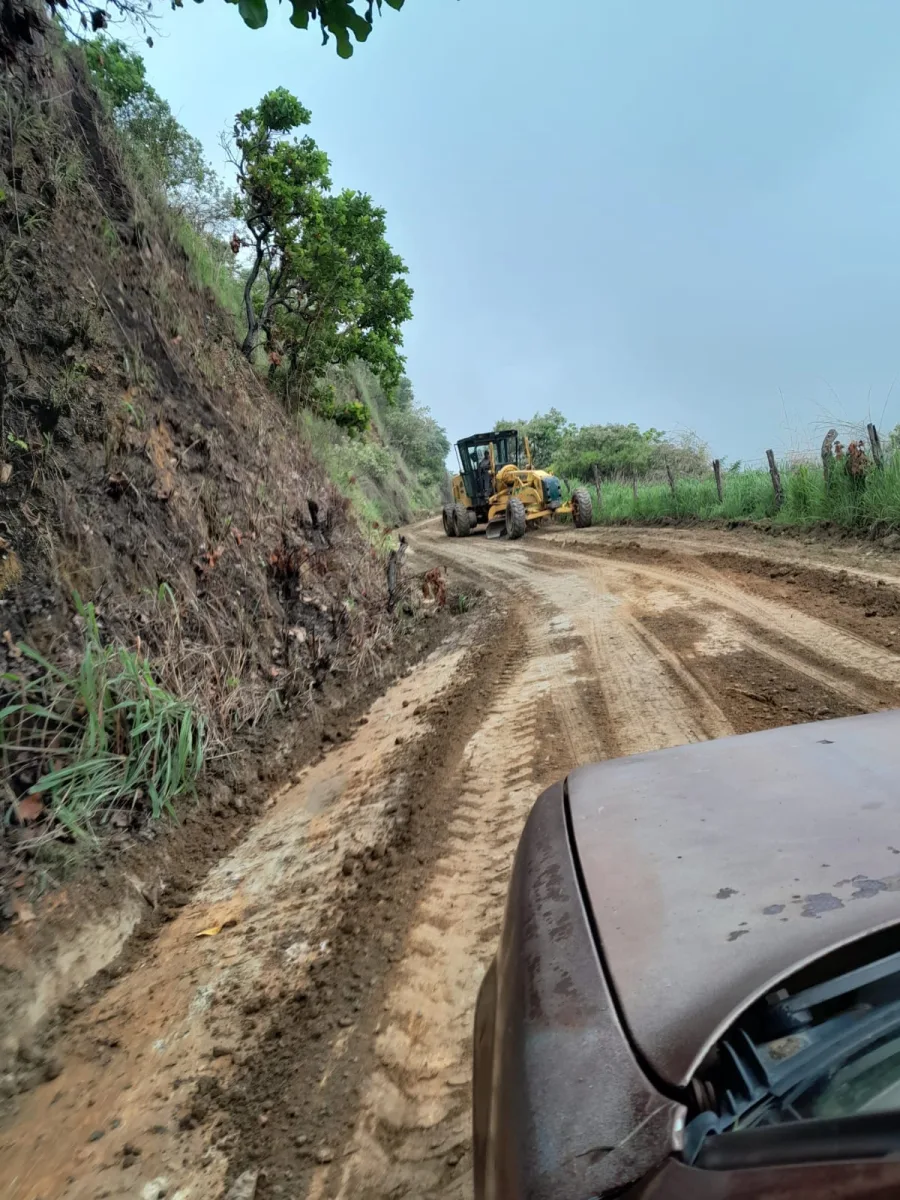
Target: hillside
186, 559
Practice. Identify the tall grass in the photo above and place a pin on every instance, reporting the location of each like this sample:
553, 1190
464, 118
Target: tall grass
102, 737
852, 503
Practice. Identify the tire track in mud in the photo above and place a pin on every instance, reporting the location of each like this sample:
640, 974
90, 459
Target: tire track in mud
413, 1131
632, 661
186, 1053
650, 699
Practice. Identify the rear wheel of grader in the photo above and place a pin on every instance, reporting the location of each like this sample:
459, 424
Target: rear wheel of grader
461, 522
515, 518
582, 508
447, 519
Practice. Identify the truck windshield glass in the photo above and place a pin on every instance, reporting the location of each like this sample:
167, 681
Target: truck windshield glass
868, 1081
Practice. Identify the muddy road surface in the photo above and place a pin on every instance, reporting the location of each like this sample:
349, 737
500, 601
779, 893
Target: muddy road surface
301, 1024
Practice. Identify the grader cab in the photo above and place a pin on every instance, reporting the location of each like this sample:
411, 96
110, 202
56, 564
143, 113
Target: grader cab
499, 487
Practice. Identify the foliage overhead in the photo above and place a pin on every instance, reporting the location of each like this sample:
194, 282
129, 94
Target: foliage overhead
339, 18
342, 20
323, 285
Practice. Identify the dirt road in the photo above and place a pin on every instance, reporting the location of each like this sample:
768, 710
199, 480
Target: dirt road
304, 1021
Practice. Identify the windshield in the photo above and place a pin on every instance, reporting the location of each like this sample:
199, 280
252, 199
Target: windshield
869, 1081
506, 450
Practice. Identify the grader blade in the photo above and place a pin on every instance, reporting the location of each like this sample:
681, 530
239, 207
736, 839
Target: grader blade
496, 528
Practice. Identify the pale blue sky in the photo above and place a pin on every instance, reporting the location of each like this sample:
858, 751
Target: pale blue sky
684, 213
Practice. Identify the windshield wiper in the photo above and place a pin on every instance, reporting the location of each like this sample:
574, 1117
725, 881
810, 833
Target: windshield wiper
832, 1139
766, 1086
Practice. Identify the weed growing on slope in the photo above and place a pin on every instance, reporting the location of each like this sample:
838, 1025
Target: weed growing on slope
78, 746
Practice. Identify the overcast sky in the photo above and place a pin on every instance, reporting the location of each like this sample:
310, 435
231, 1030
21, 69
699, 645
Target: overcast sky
684, 213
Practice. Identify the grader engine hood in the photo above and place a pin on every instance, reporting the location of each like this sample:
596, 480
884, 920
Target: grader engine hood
552, 491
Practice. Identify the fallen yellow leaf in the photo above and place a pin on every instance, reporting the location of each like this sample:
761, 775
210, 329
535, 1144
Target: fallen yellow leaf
214, 929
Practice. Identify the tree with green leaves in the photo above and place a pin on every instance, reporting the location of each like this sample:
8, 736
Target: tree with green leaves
545, 433
153, 132
282, 183
324, 285
684, 453
412, 430
611, 449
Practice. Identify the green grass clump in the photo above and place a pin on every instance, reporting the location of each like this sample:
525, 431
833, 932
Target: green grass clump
101, 738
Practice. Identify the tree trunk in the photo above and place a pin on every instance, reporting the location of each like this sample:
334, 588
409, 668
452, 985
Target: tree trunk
249, 343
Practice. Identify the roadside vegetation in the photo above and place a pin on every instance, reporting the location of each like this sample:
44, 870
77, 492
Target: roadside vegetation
649, 475
97, 741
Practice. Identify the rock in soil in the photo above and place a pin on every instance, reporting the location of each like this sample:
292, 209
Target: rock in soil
244, 1187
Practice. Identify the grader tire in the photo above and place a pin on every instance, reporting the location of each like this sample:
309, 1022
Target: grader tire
515, 518
447, 519
461, 522
582, 508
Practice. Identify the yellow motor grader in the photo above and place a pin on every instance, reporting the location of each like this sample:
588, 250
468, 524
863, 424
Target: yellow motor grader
493, 488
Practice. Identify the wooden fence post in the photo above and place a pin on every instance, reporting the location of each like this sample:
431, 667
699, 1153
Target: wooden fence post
634, 486
671, 480
875, 445
776, 479
827, 458
717, 471
597, 482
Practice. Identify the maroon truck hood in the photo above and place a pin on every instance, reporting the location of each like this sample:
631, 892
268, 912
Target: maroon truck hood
715, 870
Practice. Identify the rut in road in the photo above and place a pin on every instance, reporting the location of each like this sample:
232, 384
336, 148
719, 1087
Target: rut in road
412, 1135
326, 1038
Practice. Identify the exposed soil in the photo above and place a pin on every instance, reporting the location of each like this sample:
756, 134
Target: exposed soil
59, 963
145, 470
318, 1039
868, 608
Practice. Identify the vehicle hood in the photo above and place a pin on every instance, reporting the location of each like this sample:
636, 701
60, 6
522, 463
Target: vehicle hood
712, 871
